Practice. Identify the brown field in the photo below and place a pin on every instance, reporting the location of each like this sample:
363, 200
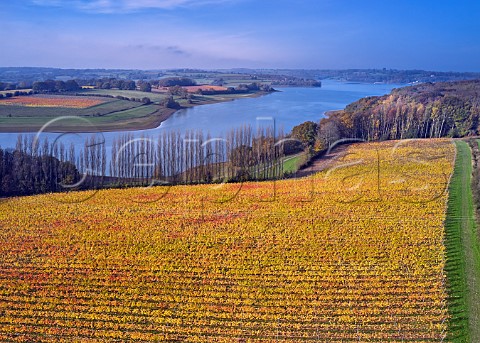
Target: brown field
52, 101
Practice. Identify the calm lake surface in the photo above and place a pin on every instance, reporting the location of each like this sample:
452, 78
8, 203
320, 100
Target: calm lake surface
284, 109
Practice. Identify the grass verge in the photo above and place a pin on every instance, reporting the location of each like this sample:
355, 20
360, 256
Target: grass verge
293, 163
463, 253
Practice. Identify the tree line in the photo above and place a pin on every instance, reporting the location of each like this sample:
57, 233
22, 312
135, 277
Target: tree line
40, 166
51, 86
244, 154
174, 84
240, 89
108, 83
429, 110
143, 86
35, 167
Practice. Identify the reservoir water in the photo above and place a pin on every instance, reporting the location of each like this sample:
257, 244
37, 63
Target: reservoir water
284, 109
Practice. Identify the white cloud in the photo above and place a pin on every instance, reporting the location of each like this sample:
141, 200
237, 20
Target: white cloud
114, 6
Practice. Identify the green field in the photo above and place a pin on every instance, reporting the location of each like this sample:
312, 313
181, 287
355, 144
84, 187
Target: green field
137, 112
110, 106
463, 253
155, 97
112, 114
291, 164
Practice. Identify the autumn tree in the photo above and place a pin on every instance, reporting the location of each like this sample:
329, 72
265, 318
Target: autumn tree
306, 133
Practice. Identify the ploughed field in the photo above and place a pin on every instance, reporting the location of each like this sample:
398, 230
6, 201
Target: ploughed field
353, 253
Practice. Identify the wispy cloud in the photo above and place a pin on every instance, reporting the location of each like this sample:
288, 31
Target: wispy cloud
119, 6
140, 46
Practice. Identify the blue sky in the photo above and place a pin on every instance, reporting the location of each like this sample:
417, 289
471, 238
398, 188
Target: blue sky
326, 34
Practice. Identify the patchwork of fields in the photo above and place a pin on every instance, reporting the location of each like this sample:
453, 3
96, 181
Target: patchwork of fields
53, 101
101, 110
351, 254
30, 113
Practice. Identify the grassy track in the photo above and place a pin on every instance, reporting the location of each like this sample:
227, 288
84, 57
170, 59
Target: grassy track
463, 253
292, 164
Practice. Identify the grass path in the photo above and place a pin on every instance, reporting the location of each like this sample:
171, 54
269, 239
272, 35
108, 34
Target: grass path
463, 253
292, 163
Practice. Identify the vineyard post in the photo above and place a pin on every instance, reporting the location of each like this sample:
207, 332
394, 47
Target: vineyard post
278, 330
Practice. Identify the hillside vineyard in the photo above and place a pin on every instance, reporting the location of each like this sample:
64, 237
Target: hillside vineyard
354, 253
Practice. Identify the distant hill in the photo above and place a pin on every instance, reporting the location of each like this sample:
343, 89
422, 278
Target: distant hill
374, 75
395, 76
281, 76
429, 110
32, 74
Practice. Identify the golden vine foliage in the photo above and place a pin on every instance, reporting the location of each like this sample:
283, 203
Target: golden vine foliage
354, 253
